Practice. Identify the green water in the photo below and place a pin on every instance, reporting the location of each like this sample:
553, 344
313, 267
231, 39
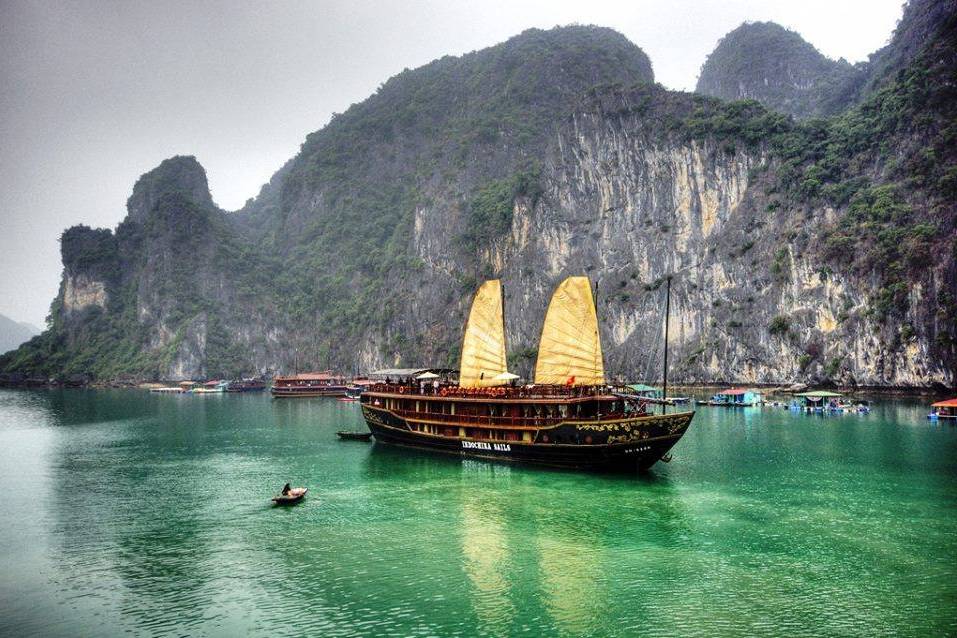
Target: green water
126, 513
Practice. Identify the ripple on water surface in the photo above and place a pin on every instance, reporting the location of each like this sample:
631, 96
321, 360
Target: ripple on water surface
151, 515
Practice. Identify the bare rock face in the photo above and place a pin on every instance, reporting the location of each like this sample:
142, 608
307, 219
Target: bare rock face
90, 267
188, 356
751, 302
81, 291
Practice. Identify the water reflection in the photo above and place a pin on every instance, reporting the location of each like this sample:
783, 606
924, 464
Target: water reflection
574, 590
122, 528
486, 562
158, 522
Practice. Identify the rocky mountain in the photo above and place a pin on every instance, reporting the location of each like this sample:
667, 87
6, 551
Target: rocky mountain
13, 333
817, 251
775, 66
763, 61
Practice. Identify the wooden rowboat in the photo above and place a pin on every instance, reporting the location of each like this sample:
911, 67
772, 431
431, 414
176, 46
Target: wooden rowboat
355, 436
294, 495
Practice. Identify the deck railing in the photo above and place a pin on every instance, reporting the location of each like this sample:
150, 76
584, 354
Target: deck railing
501, 392
530, 422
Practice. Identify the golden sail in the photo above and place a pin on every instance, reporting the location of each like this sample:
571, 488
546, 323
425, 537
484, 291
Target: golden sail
483, 348
569, 352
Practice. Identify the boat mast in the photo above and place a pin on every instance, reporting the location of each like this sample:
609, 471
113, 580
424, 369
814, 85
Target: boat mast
504, 335
664, 385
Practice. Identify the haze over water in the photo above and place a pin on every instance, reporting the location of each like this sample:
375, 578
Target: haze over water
130, 513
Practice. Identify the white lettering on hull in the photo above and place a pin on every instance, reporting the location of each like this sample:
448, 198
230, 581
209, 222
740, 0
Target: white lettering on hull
642, 448
482, 445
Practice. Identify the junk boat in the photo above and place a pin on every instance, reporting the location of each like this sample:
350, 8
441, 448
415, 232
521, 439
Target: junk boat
310, 384
570, 417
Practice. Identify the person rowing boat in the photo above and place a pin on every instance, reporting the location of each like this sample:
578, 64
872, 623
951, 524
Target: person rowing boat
289, 494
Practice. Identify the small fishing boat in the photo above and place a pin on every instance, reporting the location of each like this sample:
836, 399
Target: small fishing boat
354, 436
294, 495
210, 387
353, 392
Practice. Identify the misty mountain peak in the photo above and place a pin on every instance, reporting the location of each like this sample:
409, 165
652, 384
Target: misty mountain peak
766, 62
181, 174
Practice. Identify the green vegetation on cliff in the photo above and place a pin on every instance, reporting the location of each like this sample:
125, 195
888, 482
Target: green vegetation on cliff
333, 264
764, 61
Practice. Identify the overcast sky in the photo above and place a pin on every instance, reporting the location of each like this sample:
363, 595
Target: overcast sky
96, 93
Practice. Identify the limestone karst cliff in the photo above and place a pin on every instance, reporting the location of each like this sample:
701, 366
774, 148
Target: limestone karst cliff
809, 251
763, 61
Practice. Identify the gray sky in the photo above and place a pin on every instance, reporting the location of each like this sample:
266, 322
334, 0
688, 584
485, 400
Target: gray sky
96, 93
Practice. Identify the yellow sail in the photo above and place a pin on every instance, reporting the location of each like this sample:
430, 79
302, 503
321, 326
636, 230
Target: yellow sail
483, 347
569, 352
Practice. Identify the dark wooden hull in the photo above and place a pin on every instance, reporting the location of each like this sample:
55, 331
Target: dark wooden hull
629, 444
354, 436
289, 499
331, 391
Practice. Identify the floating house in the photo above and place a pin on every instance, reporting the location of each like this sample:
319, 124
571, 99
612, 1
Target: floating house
645, 391
736, 397
818, 399
944, 410
824, 401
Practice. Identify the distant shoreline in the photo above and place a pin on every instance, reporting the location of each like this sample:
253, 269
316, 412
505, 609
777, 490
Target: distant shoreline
673, 389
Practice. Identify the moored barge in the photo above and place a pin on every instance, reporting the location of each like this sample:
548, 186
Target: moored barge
570, 417
246, 385
310, 384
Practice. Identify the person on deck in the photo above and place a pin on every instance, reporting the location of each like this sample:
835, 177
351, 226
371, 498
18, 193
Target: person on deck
285, 489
